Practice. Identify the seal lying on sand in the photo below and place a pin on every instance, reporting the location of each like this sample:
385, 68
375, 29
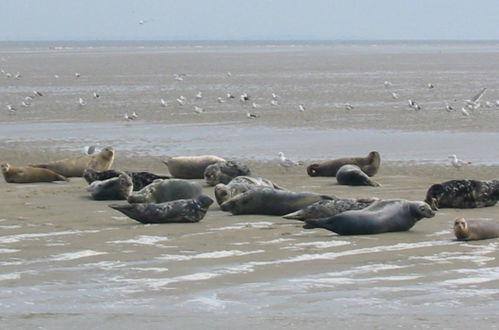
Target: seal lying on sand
161, 191
352, 175
381, 217
468, 230
140, 179
117, 188
369, 165
239, 185
463, 194
270, 201
191, 167
182, 210
330, 208
74, 167
224, 172
29, 174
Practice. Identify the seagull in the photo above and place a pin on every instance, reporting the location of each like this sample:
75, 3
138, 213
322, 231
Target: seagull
28, 99
474, 103
18, 75
96, 96
37, 93
448, 107
141, 22
464, 112
244, 97
395, 96
229, 96
497, 103
274, 102
489, 104
220, 100
284, 162
198, 109
387, 84
24, 104
81, 102
180, 100
8, 75
301, 108
77, 75
348, 106
128, 117
250, 115
56, 76
430, 86
164, 104
275, 96
179, 77
457, 163
134, 115
229, 74
11, 108
255, 106
414, 105
199, 95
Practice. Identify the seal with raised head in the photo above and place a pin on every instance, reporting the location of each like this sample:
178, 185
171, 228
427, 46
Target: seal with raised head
270, 201
352, 175
74, 167
190, 167
463, 194
182, 210
116, 188
240, 185
139, 179
224, 172
29, 174
330, 208
475, 229
161, 191
380, 217
369, 165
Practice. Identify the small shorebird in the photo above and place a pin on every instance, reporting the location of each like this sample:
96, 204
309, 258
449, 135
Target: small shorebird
430, 86
464, 112
395, 96
474, 103
198, 109
274, 102
77, 75
457, 163
255, 106
11, 108
301, 107
414, 105
163, 103
348, 107
180, 100
387, 84
244, 97
275, 96
448, 107
199, 95
220, 100
81, 102
229, 96
37, 93
250, 115
96, 95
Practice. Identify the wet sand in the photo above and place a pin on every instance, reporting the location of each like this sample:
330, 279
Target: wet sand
71, 262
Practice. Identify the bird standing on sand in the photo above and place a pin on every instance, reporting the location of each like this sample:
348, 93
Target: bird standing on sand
395, 96
198, 109
448, 107
274, 102
199, 95
96, 95
464, 112
387, 84
474, 103
11, 108
457, 163
250, 115
77, 75
81, 102
348, 107
163, 103
286, 163
431, 86
301, 107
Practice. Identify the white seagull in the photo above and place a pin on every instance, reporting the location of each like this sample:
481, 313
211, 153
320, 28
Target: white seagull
81, 102
274, 102
284, 162
180, 100
164, 104
464, 112
244, 97
77, 75
96, 95
387, 84
348, 107
255, 106
11, 108
250, 115
474, 103
199, 95
457, 163
430, 86
275, 96
448, 107
37, 93
395, 96
301, 108
24, 104
198, 109
229, 96
220, 100
18, 75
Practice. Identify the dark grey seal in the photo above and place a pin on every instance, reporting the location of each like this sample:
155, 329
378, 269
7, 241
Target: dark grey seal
139, 179
224, 172
240, 185
352, 175
330, 208
182, 210
381, 217
117, 188
463, 194
369, 165
161, 191
270, 201
474, 229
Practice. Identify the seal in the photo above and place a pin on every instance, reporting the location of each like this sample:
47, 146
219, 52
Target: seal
240, 185
29, 174
463, 194
474, 229
161, 191
139, 179
329, 208
190, 167
369, 165
117, 188
270, 201
74, 167
182, 210
224, 172
352, 175
380, 217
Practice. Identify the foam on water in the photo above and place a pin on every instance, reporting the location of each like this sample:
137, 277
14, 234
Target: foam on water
76, 255
19, 237
142, 240
8, 250
241, 225
208, 255
10, 276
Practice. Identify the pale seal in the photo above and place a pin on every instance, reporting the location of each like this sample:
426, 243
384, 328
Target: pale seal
270, 201
161, 191
224, 172
463, 194
330, 208
117, 188
469, 230
369, 165
239, 185
139, 179
380, 217
190, 167
29, 174
74, 167
182, 210
352, 175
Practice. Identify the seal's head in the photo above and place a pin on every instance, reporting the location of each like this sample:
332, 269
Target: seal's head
425, 210
204, 201
433, 195
461, 229
5, 167
107, 153
312, 170
221, 193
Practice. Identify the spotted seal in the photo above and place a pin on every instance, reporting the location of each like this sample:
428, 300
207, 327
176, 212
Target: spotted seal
139, 179
241, 184
161, 191
329, 208
116, 188
224, 172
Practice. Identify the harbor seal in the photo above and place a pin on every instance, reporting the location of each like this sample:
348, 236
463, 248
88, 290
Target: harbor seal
74, 167
369, 165
463, 194
329, 208
29, 174
352, 175
117, 188
139, 179
380, 217
469, 230
270, 201
161, 191
239, 185
182, 210
224, 172
190, 167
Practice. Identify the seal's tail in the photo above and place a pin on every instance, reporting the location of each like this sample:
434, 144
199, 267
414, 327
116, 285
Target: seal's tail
311, 224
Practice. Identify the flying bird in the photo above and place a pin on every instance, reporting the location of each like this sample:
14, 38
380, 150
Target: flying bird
474, 103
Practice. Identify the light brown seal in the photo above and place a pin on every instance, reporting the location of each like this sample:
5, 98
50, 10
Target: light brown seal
74, 167
369, 165
29, 174
190, 167
240, 185
474, 229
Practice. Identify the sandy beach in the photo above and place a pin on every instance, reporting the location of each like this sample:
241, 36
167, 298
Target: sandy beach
71, 262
